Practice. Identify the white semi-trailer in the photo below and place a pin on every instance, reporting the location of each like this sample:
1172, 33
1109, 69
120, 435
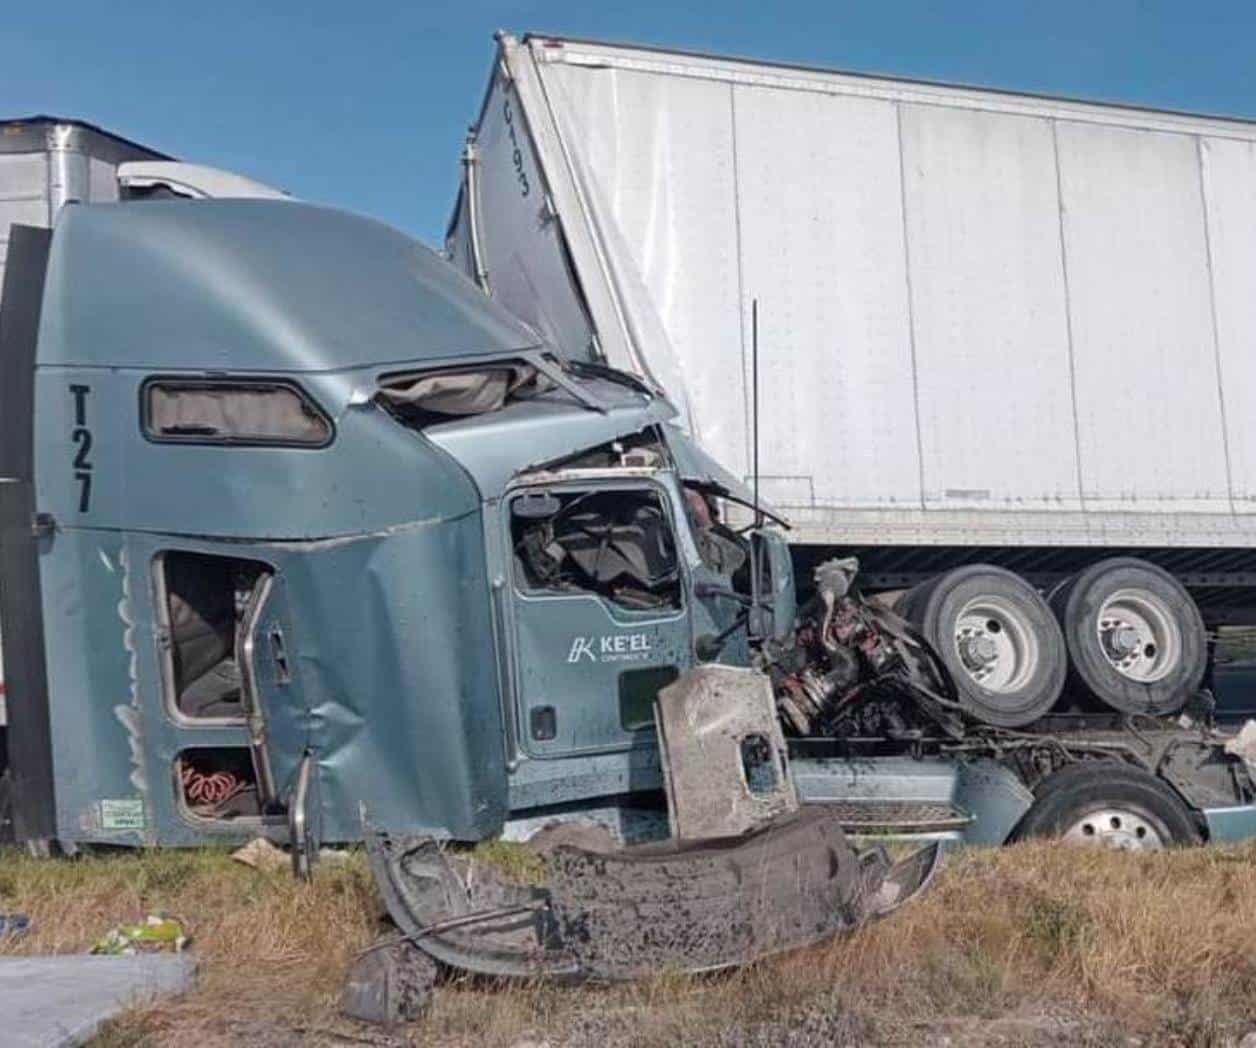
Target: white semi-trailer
993, 327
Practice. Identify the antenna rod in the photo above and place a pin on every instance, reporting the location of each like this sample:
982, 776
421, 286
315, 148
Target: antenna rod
754, 402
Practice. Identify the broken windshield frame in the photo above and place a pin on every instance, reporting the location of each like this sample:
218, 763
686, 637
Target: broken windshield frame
610, 374
713, 488
547, 366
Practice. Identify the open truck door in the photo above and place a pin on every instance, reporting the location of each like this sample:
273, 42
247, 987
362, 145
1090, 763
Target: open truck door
278, 717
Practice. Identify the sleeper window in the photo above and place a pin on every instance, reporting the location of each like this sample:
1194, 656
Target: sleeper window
232, 413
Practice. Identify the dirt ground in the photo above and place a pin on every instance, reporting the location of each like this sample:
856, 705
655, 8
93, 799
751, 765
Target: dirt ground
1029, 945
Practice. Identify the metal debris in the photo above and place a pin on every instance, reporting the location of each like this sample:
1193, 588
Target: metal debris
389, 983
721, 903
1243, 746
630, 912
723, 753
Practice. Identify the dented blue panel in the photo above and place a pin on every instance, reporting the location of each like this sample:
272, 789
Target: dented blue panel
389, 642
1237, 823
99, 755
396, 649
495, 447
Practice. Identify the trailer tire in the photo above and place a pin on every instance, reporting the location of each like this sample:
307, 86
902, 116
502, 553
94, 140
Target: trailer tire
996, 637
1135, 638
1108, 804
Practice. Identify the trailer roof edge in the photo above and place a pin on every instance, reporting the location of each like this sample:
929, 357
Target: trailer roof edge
49, 119
864, 74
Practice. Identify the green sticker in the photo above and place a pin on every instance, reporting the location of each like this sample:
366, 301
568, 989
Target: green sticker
127, 814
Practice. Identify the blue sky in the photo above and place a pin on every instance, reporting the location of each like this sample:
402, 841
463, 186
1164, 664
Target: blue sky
363, 105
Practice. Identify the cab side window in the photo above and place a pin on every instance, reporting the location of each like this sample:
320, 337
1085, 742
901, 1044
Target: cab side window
246, 412
618, 544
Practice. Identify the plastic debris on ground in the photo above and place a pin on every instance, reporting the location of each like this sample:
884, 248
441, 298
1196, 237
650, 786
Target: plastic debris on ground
151, 935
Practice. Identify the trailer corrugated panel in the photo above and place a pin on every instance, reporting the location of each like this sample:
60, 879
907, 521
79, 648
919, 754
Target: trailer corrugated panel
986, 318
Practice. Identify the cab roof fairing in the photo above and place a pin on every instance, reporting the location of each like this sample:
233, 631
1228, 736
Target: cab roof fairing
256, 286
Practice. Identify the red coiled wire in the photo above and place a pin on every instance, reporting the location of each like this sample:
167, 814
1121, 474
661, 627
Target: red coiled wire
212, 789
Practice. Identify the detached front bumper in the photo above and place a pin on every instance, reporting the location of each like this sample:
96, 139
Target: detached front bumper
633, 912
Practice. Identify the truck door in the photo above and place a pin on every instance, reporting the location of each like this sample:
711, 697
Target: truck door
598, 616
229, 676
274, 707
280, 725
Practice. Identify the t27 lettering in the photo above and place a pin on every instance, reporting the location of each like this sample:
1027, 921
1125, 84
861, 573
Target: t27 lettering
81, 437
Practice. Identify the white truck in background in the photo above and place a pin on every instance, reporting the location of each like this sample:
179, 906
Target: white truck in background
995, 329
49, 161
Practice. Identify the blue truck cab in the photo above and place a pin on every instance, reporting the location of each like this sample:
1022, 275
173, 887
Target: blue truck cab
303, 525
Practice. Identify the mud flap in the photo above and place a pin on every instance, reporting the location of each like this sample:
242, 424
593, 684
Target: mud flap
629, 913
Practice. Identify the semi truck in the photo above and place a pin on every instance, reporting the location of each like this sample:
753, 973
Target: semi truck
304, 532
993, 324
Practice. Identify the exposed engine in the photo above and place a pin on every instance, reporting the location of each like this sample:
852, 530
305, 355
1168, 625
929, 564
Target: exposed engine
857, 670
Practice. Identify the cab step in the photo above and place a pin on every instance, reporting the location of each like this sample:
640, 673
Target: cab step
898, 816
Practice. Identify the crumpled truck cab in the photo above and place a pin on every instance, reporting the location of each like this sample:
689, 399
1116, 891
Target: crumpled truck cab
319, 530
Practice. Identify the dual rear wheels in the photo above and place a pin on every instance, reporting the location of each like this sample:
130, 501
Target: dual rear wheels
1122, 630
1135, 638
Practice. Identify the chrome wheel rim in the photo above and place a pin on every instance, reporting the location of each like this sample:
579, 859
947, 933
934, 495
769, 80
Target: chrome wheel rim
1120, 829
996, 644
1139, 635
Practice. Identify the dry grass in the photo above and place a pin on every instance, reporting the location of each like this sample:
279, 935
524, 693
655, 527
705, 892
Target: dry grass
1027, 945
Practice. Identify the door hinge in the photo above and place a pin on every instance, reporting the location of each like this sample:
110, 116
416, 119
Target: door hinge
43, 524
